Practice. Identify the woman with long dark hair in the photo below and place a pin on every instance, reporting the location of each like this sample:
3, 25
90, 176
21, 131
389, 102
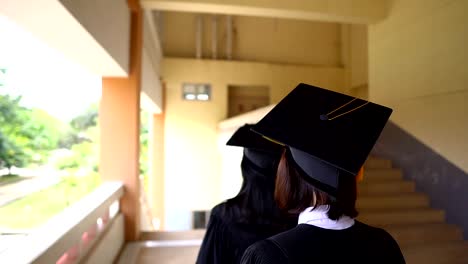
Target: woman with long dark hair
327, 137
251, 215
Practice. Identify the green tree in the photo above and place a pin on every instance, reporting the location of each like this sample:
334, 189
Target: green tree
10, 154
86, 120
81, 140
43, 132
78, 126
83, 155
26, 135
79, 155
11, 133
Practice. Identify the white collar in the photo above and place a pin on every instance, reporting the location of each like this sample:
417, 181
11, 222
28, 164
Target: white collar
318, 217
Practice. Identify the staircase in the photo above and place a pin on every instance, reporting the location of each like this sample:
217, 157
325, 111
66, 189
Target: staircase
387, 200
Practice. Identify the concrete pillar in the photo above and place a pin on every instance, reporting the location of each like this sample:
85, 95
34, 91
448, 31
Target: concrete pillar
158, 162
119, 119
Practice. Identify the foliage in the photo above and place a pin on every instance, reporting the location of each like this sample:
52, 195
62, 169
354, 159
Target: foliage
26, 135
78, 126
45, 132
82, 141
82, 156
144, 137
10, 154
86, 120
31, 136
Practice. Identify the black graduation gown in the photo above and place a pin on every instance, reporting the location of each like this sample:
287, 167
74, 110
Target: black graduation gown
226, 238
310, 244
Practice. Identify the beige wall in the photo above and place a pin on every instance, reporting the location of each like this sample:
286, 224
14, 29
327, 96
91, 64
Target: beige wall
417, 66
358, 57
354, 56
192, 147
256, 39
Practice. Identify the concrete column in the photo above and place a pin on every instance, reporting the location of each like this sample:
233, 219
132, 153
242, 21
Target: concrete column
119, 119
157, 176
158, 171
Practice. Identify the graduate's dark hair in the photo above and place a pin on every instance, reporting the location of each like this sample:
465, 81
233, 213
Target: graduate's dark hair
295, 194
255, 202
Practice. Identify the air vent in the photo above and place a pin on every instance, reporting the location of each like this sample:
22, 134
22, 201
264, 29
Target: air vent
196, 92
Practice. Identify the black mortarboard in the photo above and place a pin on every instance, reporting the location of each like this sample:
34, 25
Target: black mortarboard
257, 149
245, 137
329, 134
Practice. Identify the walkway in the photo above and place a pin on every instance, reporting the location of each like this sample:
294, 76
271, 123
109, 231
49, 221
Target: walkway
17, 190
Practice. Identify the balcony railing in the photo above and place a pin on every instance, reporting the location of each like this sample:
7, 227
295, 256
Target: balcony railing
77, 234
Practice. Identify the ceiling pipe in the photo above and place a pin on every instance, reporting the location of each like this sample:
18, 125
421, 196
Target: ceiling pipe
154, 28
229, 37
214, 37
198, 36
159, 21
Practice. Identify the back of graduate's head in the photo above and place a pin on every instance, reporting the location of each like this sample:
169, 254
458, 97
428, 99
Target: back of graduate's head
327, 137
294, 193
260, 156
258, 176
255, 201
263, 161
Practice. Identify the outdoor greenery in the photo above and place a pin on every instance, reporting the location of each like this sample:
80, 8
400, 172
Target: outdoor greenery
36, 208
26, 135
81, 139
144, 157
31, 138
7, 179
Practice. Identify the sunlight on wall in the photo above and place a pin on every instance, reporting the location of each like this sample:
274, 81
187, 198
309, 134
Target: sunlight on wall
231, 179
418, 67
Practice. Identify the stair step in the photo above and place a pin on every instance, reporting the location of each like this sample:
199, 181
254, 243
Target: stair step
173, 255
437, 253
401, 201
387, 187
425, 233
377, 163
382, 175
173, 235
401, 217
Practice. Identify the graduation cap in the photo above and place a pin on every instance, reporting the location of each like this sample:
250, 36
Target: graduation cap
259, 150
245, 137
329, 134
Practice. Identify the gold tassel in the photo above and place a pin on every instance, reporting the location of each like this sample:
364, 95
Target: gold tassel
360, 175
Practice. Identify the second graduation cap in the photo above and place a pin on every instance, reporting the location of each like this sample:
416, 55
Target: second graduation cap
262, 152
245, 137
329, 134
